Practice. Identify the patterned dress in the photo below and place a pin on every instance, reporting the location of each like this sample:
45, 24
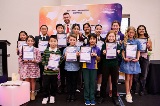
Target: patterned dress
30, 69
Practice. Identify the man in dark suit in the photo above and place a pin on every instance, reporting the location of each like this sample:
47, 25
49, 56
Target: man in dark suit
42, 37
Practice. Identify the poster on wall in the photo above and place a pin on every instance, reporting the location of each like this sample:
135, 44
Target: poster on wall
103, 14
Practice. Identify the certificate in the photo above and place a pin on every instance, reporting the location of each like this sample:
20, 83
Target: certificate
118, 38
131, 51
28, 53
53, 62
71, 54
42, 45
62, 40
143, 42
111, 50
79, 43
85, 54
99, 44
20, 44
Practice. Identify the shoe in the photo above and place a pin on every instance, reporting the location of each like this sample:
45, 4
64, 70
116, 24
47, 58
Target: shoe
110, 93
77, 90
100, 100
93, 102
45, 100
73, 98
129, 98
87, 102
68, 98
141, 93
98, 94
116, 101
133, 92
32, 96
52, 99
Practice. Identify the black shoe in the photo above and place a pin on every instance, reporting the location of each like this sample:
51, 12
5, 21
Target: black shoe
68, 99
73, 98
141, 93
98, 94
133, 92
100, 100
116, 101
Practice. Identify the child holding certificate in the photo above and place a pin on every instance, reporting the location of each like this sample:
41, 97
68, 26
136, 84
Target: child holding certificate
79, 43
71, 53
130, 62
109, 55
87, 31
30, 57
119, 38
100, 42
61, 88
76, 31
21, 41
40, 42
146, 43
22, 37
89, 69
50, 60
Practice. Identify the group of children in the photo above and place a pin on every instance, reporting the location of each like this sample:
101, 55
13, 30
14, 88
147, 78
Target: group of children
100, 69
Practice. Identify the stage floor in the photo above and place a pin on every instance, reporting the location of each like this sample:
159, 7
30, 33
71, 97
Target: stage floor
147, 100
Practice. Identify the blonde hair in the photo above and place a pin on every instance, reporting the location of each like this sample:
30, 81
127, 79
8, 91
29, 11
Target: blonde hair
126, 34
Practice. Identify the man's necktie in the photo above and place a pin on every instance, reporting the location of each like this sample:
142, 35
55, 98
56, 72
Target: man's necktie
67, 29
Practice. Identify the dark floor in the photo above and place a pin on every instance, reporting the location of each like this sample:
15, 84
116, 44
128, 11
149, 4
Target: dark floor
147, 100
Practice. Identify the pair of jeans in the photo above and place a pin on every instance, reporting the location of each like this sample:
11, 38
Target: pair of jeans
89, 76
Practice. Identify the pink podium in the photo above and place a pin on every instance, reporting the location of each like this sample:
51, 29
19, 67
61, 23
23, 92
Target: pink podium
15, 95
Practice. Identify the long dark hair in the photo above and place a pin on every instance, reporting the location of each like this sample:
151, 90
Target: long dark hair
145, 34
20, 33
116, 21
30, 36
74, 25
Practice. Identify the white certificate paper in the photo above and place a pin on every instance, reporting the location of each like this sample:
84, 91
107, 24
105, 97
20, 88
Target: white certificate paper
71, 54
131, 51
85, 54
20, 44
62, 40
53, 62
28, 53
79, 43
143, 43
99, 44
118, 38
42, 46
111, 50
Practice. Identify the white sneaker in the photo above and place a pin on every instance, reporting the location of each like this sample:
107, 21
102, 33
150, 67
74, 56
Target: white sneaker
52, 99
77, 90
45, 100
129, 98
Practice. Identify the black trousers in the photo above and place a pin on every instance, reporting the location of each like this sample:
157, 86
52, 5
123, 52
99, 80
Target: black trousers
141, 78
113, 71
50, 85
72, 82
62, 75
41, 74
